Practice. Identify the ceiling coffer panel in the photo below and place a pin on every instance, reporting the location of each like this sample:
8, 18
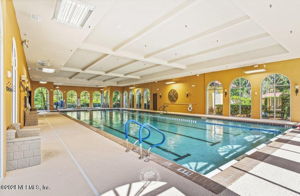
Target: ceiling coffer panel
202, 17
82, 58
84, 76
153, 70
134, 67
127, 18
109, 62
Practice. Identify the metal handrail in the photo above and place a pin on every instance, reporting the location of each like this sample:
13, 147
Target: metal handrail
140, 138
147, 126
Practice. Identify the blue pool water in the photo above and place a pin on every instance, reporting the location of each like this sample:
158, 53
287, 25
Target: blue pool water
199, 144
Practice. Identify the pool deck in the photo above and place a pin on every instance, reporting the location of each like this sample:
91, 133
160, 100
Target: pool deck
79, 161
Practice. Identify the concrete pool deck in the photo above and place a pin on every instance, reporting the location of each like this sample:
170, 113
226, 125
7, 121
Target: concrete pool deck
78, 161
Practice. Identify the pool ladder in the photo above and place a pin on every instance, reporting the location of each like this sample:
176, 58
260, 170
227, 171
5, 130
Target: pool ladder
142, 139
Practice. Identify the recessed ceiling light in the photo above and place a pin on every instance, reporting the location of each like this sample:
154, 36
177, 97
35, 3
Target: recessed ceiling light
48, 70
36, 17
43, 63
171, 82
255, 71
43, 82
71, 12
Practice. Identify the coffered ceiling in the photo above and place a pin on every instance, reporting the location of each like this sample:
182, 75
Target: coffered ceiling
126, 42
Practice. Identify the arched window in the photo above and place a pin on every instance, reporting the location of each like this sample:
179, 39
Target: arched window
84, 99
125, 99
240, 98
116, 99
146, 99
106, 99
71, 99
138, 99
131, 99
96, 99
15, 85
215, 98
58, 99
41, 98
275, 95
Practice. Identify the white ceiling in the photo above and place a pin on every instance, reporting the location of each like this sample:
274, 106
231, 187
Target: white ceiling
127, 42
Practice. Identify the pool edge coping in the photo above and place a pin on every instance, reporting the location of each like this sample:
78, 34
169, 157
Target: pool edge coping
191, 175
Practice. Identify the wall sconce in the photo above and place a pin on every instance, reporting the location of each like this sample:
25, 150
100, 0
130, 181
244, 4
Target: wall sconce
25, 42
187, 94
297, 89
225, 92
160, 95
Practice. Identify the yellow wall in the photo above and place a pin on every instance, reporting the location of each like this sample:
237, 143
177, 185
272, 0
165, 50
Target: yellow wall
11, 30
64, 89
196, 86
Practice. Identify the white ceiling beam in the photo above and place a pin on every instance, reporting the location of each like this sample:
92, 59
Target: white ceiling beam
157, 23
96, 48
98, 73
230, 44
106, 56
201, 34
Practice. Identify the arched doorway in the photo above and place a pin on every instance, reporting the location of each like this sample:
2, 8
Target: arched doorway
116, 99
214, 98
240, 98
41, 98
138, 99
125, 99
275, 97
147, 99
71, 99
58, 99
106, 99
97, 99
84, 99
131, 99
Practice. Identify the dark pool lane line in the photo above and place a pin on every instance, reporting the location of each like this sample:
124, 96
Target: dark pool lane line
171, 132
179, 157
183, 135
173, 123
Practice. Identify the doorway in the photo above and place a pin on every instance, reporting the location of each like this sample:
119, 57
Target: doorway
154, 101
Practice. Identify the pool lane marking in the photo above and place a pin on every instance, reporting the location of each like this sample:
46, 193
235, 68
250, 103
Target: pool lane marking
190, 126
233, 126
149, 143
81, 170
191, 137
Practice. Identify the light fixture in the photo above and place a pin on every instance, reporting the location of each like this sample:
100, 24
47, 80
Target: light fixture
297, 89
72, 12
43, 82
225, 92
48, 70
132, 87
57, 83
255, 71
57, 87
171, 82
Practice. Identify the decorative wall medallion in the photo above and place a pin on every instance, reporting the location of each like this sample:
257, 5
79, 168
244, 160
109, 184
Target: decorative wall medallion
173, 95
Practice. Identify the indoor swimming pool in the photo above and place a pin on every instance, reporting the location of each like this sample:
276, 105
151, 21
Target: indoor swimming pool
199, 144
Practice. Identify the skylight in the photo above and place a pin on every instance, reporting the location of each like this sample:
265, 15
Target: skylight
72, 12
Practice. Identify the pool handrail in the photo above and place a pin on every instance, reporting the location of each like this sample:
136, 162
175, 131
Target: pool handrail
147, 125
140, 137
